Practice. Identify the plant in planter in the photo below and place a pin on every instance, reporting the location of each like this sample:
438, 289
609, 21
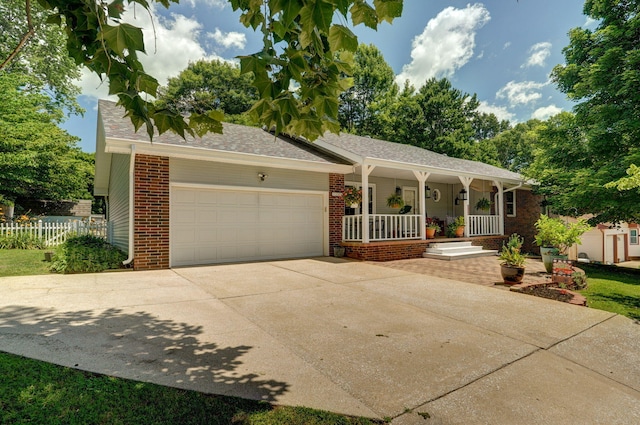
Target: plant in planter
432, 228
512, 267
7, 206
483, 204
459, 226
352, 196
554, 237
395, 201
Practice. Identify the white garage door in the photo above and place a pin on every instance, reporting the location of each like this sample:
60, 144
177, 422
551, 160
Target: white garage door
216, 226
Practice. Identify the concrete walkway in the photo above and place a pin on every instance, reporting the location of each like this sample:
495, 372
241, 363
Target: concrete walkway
344, 336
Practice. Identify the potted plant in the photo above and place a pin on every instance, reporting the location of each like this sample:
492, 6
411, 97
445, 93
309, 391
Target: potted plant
432, 228
7, 206
554, 237
352, 196
483, 204
395, 201
512, 267
459, 224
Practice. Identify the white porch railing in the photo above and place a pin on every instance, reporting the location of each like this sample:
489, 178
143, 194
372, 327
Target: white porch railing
55, 233
382, 227
483, 225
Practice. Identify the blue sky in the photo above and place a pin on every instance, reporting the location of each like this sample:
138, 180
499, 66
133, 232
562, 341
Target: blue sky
503, 50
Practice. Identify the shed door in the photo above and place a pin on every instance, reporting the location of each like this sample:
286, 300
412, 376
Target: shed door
216, 225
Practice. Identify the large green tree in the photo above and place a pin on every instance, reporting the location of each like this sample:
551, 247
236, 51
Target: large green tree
29, 45
37, 158
206, 86
515, 146
373, 86
602, 73
299, 72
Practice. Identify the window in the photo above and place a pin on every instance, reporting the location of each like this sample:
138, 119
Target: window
510, 203
633, 236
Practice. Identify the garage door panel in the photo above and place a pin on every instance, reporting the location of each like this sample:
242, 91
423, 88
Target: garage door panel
215, 225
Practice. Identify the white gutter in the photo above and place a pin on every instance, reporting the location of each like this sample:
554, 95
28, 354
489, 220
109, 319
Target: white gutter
132, 164
512, 188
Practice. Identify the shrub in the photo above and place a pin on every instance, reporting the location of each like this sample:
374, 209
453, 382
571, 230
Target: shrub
21, 240
86, 254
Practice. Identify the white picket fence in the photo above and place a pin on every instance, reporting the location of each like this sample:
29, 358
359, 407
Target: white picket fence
56, 233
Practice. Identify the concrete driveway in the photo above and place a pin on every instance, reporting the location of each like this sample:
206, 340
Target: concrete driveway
332, 334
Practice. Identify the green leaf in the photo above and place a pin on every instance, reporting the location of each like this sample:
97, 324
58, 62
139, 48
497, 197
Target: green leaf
166, 120
387, 10
290, 11
326, 106
123, 37
209, 122
362, 13
147, 84
341, 38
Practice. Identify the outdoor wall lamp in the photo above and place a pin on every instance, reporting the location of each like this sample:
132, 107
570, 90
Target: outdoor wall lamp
262, 176
462, 196
427, 192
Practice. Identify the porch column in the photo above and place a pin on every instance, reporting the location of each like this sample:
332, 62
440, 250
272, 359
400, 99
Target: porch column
366, 170
466, 181
500, 205
422, 177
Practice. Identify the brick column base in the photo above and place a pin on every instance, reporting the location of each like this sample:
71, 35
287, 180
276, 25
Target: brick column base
336, 211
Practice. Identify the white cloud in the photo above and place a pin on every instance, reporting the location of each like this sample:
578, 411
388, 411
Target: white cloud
229, 39
445, 45
506, 45
539, 53
213, 3
501, 112
590, 22
546, 112
521, 93
170, 43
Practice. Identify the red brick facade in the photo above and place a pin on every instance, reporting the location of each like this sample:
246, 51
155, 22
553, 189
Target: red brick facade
151, 213
528, 209
336, 210
402, 250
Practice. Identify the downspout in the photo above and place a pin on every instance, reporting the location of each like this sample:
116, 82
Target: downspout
132, 166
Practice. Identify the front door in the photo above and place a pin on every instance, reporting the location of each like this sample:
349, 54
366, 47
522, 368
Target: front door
410, 196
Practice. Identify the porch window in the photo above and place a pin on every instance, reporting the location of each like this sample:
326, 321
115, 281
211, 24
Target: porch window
354, 211
633, 236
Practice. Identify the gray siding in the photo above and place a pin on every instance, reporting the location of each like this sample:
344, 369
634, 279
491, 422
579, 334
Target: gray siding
119, 200
216, 173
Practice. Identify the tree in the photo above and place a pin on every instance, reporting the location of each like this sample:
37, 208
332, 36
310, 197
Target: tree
206, 86
515, 146
373, 83
37, 159
302, 46
42, 53
602, 73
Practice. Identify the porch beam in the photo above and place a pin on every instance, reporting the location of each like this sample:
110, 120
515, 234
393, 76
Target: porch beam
500, 206
466, 182
366, 169
422, 177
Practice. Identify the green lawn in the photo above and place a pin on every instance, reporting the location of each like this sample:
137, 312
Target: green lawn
36, 392
613, 289
22, 262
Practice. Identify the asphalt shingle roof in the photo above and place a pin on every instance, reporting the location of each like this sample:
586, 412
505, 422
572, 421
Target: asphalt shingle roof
235, 138
367, 147
256, 141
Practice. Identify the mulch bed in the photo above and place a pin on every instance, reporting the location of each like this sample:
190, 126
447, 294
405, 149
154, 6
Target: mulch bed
546, 292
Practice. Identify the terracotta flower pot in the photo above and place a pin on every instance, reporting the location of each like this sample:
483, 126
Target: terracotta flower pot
460, 232
431, 233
